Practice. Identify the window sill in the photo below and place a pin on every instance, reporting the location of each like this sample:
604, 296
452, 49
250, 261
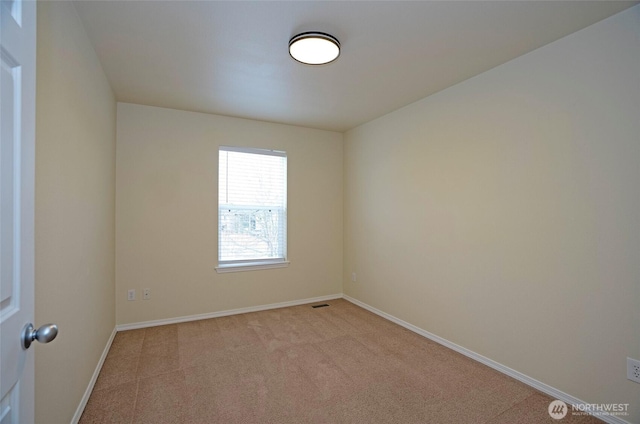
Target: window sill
250, 266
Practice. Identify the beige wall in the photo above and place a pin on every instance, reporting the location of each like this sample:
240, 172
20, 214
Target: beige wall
166, 214
503, 213
75, 210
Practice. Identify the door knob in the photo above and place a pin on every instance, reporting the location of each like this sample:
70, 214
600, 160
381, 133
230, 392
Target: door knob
44, 334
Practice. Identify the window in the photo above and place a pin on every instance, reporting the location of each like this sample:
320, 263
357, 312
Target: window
252, 209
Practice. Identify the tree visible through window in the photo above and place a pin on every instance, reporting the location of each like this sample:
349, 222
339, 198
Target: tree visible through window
252, 206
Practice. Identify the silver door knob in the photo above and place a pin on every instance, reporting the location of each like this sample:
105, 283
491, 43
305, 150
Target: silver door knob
44, 334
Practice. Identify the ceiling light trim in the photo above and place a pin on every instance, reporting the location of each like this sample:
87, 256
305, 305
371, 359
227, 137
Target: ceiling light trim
330, 50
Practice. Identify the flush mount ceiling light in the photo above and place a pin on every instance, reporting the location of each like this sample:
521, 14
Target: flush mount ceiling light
314, 48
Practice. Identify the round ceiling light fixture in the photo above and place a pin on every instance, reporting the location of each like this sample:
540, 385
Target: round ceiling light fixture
314, 48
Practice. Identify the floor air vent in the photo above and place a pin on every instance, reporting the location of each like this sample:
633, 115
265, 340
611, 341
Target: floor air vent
320, 306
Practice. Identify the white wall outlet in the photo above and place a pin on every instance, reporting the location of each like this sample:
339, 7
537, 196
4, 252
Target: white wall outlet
131, 294
146, 294
353, 277
633, 370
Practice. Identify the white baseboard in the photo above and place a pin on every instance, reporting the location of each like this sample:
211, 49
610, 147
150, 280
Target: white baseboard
94, 378
545, 388
259, 308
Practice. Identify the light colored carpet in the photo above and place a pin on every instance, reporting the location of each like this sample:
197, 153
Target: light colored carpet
337, 364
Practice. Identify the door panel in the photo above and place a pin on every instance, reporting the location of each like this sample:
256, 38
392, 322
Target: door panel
17, 143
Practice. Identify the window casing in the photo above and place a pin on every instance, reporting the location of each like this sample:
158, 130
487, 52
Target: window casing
252, 209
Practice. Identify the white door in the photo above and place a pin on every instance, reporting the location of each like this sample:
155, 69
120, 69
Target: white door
17, 131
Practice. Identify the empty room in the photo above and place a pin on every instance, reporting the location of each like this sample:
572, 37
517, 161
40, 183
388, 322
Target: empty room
320, 212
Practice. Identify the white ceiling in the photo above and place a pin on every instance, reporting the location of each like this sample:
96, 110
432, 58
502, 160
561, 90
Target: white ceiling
231, 57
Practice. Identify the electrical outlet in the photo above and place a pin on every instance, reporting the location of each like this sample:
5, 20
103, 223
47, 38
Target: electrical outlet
633, 370
353, 277
131, 295
146, 294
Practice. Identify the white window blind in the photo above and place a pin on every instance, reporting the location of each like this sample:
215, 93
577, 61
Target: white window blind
252, 206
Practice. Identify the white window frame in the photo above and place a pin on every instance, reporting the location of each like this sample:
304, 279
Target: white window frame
258, 264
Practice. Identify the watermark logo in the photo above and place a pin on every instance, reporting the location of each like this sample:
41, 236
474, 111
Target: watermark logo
558, 409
